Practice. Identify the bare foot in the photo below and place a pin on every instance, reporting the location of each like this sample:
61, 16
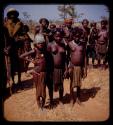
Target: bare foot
79, 102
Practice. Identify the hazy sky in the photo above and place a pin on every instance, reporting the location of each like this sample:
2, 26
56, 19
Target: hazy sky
50, 11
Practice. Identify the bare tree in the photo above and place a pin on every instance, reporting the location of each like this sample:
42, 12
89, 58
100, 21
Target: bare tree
72, 12
104, 18
26, 15
69, 10
63, 11
28, 21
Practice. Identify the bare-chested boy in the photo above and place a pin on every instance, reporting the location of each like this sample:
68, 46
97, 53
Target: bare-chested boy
77, 61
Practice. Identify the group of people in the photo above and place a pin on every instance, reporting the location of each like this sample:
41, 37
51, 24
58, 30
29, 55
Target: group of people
59, 52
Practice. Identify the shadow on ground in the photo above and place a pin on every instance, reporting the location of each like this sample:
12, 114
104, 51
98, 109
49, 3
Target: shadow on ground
17, 88
84, 96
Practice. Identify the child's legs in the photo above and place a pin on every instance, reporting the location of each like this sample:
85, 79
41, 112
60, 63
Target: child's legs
61, 91
71, 92
78, 92
93, 56
40, 87
49, 80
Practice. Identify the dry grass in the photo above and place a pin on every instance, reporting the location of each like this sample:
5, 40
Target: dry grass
22, 106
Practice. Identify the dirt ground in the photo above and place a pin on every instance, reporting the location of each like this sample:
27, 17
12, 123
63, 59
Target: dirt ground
22, 106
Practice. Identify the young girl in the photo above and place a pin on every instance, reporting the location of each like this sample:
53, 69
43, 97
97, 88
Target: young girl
43, 68
58, 50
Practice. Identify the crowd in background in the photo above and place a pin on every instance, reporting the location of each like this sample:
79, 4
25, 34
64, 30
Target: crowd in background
59, 52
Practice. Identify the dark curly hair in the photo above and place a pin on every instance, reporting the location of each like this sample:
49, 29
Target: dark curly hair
105, 22
85, 20
93, 24
25, 28
60, 30
77, 30
46, 20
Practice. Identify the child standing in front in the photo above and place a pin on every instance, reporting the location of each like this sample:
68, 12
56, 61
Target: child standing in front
77, 63
43, 68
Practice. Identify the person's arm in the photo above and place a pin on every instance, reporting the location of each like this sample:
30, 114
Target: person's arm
107, 39
66, 73
72, 45
85, 64
26, 54
49, 47
17, 27
6, 50
45, 34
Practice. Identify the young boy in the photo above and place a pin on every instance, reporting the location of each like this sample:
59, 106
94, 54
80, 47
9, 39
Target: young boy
43, 68
77, 62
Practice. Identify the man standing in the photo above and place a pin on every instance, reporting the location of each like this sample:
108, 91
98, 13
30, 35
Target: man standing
44, 23
14, 27
86, 32
102, 43
92, 41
